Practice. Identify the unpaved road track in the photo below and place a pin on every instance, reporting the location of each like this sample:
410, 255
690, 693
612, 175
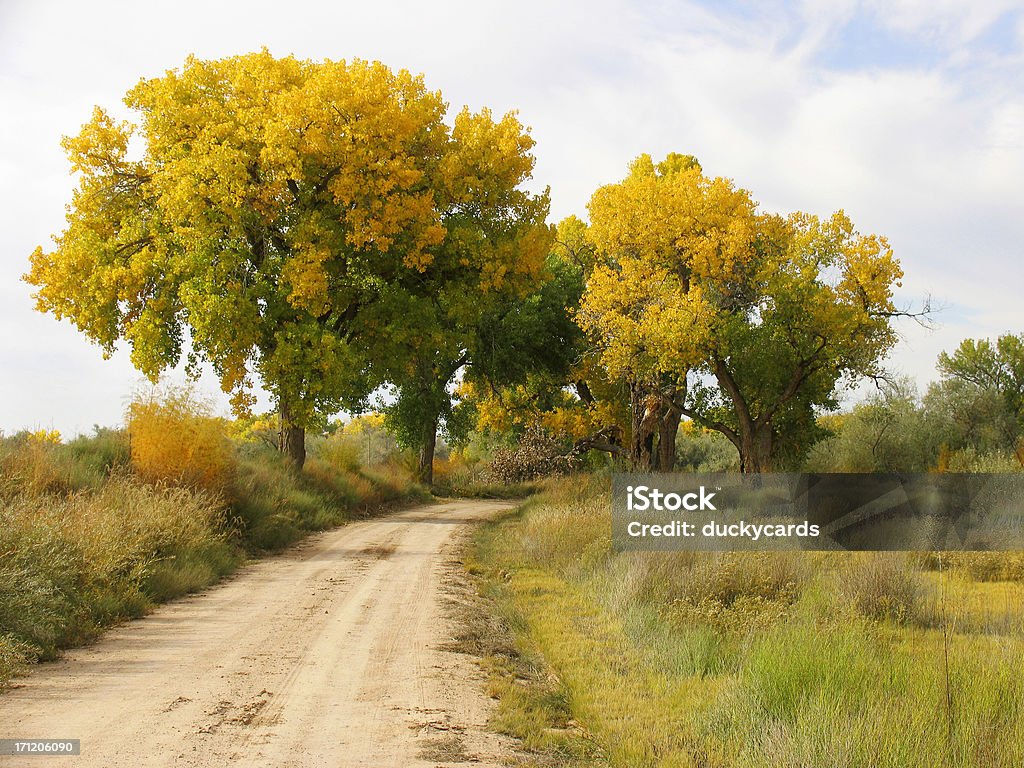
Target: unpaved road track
329, 655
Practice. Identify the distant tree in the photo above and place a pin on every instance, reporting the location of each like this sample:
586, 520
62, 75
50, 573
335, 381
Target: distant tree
974, 417
504, 339
982, 389
889, 432
567, 395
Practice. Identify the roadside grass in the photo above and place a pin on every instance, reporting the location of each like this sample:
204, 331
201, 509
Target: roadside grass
533, 704
480, 490
88, 539
756, 659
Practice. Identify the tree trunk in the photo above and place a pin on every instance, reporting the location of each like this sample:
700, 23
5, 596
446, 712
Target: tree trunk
753, 438
756, 449
668, 428
291, 440
645, 410
427, 447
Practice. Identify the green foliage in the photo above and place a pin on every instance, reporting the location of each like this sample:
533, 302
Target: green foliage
189, 569
890, 432
703, 450
510, 337
103, 452
973, 417
30, 465
532, 334
982, 394
995, 367
273, 506
964, 423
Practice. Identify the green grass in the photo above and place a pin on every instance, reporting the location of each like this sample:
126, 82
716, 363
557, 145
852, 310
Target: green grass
534, 705
756, 660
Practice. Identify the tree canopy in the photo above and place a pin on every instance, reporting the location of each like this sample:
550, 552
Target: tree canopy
277, 217
982, 392
742, 321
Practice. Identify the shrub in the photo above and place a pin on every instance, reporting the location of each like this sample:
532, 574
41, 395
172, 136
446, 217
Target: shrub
971, 460
15, 656
537, 454
342, 453
985, 566
890, 432
703, 450
105, 451
32, 465
882, 585
176, 439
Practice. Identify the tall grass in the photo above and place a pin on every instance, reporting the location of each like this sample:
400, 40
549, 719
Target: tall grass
73, 563
758, 659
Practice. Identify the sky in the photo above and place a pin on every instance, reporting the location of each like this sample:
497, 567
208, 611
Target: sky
907, 114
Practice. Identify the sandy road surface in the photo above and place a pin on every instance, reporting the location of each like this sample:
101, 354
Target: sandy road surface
329, 655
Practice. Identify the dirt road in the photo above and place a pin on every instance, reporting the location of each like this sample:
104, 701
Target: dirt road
329, 655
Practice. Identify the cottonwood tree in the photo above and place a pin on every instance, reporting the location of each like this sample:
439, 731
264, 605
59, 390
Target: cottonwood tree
742, 321
491, 261
549, 377
263, 225
503, 340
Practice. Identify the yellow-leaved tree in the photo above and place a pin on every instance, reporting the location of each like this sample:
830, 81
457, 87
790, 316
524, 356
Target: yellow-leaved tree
742, 321
271, 214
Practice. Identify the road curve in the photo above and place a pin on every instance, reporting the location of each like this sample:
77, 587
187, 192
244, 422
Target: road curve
330, 655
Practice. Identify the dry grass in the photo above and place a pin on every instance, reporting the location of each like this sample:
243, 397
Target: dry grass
71, 564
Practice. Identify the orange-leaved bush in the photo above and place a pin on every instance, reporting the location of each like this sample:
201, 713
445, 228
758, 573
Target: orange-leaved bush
175, 438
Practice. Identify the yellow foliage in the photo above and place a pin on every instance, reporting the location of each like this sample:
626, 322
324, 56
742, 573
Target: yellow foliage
175, 439
689, 273
45, 437
273, 202
254, 428
359, 425
578, 420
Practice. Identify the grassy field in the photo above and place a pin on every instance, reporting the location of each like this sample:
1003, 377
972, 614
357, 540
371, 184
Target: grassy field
780, 660
95, 531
